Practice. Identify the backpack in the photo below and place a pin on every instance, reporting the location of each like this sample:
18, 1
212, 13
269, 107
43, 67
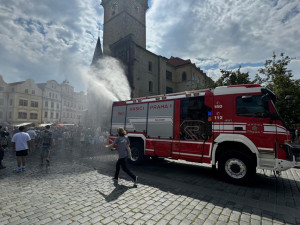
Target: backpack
46, 137
3, 139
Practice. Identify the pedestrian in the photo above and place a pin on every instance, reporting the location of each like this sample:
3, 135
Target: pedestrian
21, 144
32, 135
46, 143
123, 144
3, 145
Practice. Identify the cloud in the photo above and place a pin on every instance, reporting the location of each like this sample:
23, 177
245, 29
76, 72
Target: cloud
224, 33
46, 40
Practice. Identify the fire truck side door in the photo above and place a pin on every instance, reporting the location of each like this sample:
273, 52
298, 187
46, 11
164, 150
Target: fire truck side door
253, 111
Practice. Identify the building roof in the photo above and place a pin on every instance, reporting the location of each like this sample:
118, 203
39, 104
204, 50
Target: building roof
41, 85
16, 83
98, 54
175, 61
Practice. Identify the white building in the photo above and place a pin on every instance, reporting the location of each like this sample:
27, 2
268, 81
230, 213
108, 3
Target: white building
51, 107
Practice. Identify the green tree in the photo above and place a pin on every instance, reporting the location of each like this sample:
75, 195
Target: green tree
233, 77
277, 77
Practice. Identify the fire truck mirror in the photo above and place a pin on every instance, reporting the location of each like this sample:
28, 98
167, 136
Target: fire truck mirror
247, 98
289, 97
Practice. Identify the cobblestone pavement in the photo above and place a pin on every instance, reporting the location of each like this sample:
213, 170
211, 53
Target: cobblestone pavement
77, 188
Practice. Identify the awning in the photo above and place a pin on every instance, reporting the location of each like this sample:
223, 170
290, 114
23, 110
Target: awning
45, 124
65, 124
22, 124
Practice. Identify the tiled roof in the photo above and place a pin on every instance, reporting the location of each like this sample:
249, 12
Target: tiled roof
41, 85
175, 61
16, 83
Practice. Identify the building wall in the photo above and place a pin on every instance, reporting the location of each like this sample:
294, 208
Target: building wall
73, 104
4, 90
143, 74
51, 111
24, 98
122, 18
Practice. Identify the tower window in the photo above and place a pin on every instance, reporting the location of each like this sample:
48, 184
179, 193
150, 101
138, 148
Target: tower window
169, 75
169, 90
150, 86
150, 66
184, 76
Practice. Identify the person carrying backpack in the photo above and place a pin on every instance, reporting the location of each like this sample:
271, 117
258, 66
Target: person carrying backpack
46, 142
3, 145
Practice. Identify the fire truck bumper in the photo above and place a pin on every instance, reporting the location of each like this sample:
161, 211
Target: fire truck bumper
293, 155
282, 164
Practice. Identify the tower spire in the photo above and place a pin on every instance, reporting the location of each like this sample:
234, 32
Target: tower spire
98, 54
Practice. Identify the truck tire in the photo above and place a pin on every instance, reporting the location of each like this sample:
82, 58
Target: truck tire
137, 153
236, 167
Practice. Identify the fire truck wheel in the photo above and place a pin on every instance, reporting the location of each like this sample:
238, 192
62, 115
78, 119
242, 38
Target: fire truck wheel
236, 167
137, 153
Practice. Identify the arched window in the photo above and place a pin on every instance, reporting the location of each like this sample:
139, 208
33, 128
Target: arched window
183, 76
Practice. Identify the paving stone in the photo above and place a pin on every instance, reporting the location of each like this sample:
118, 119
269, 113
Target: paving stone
72, 197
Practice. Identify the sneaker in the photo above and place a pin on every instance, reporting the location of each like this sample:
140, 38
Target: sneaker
18, 170
48, 161
23, 168
115, 179
135, 180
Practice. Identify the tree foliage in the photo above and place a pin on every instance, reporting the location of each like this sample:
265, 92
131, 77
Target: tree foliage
277, 77
233, 77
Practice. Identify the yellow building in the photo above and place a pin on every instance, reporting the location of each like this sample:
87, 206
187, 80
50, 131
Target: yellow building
4, 90
24, 102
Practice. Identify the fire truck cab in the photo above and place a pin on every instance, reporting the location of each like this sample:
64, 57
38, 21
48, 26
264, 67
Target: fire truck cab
234, 128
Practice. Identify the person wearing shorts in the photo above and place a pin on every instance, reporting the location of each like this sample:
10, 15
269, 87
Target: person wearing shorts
46, 144
21, 144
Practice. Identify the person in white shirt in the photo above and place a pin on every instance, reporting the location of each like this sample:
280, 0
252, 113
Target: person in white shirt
21, 144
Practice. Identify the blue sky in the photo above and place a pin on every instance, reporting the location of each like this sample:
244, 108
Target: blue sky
55, 39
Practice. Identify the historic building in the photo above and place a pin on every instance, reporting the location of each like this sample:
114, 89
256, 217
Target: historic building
73, 104
50, 102
51, 110
4, 93
24, 102
148, 74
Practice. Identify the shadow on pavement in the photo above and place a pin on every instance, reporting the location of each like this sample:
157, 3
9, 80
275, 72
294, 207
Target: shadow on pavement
116, 193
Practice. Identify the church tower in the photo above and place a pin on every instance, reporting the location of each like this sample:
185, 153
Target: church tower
122, 18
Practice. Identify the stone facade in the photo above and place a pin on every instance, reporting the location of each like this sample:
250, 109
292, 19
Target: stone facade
50, 102
51, 111
25, 102
4, 93
124, 17
147, 73
73, 104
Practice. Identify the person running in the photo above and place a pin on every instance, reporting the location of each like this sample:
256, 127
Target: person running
21, 144
46, 141
122, 143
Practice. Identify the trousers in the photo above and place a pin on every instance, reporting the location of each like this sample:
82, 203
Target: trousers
123, 163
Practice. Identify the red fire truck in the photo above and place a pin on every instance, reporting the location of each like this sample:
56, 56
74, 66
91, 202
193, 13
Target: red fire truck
234, 128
